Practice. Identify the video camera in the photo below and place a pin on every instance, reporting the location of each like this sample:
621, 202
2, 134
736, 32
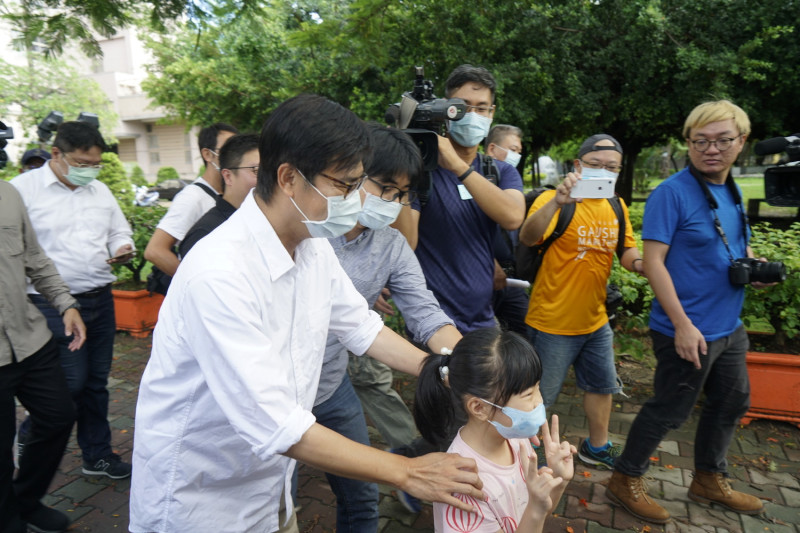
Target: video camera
6, 133
782, 182
422, 116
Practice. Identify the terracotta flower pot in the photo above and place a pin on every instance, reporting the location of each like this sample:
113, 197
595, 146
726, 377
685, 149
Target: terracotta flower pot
774, 387
136, 311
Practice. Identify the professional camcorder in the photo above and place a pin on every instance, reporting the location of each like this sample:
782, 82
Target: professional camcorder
6, 133
746, 270
782, 182
422, 116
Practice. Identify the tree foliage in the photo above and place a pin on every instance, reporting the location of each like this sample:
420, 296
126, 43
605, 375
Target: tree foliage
46, 85
565, 70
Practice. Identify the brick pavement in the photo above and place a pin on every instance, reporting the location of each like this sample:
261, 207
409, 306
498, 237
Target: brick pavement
765, 460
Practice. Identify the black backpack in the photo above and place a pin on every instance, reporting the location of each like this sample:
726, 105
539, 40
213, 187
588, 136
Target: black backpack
158, 281
529, 258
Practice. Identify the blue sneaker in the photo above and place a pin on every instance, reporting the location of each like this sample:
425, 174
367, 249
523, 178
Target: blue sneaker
603, 459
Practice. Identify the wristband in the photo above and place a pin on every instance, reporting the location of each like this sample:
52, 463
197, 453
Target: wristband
463, 176
76, 305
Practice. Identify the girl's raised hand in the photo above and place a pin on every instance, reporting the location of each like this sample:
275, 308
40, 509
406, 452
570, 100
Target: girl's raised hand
559, 454
540, 482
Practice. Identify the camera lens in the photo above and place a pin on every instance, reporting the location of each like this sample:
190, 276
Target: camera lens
767, 272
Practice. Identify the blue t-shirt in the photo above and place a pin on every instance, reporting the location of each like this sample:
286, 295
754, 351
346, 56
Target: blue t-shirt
455, 247
678, 214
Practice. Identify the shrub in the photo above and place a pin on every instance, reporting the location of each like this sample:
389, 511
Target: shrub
166, 173
137, 176
780, 304
114, 176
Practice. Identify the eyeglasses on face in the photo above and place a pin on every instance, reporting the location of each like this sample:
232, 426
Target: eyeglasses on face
722, 144
481, 110
345, 187
611, 167
253, 169
81, 165
390, 193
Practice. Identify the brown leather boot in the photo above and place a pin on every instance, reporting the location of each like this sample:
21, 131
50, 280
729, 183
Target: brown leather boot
713, 487
631, 493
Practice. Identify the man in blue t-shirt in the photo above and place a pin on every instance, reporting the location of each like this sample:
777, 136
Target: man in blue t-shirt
458, 221
698, 338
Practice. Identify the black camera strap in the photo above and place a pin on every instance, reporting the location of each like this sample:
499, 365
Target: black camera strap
713, 205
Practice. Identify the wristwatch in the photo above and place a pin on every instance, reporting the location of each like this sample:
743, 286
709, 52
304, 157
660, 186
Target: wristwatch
76, 305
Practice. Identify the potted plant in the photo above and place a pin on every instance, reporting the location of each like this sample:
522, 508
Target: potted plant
135, 307
774, 364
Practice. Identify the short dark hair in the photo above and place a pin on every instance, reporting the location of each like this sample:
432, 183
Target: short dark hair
74, 135
394, 154
467, 73
500, 132
312, 133
234, 149
208, 136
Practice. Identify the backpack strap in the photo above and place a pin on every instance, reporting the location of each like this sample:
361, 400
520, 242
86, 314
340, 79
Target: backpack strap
564, 218
209, 191
489, 168
617, 206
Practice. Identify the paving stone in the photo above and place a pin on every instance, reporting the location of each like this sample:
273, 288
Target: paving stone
673, 475
790, 497
786, 513
79, 490
714, 516
764, 523
784, 479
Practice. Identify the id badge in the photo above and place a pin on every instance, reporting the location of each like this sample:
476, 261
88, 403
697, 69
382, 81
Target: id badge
463, 192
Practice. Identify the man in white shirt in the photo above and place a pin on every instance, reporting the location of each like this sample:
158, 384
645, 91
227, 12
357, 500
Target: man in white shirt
225, 402
190, 204
82, 229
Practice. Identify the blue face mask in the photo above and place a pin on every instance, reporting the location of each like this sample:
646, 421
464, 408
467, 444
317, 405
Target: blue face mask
377, 213
524, 424
470, 130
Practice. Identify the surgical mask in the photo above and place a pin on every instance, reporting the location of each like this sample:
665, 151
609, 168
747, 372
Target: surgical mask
524, 424
598, 173
216, 166
342, 215
377, 213
470, 130
81, 176
512, 158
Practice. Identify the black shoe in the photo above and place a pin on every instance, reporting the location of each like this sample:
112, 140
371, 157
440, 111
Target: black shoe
46, 520
110, 465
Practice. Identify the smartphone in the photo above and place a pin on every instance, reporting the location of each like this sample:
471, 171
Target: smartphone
593, 188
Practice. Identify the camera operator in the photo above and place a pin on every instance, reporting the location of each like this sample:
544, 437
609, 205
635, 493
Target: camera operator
458, 221
694, 228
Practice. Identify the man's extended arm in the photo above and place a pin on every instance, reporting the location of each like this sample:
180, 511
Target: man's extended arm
689, 342
433, 477
159, 252
504, 206
533, 228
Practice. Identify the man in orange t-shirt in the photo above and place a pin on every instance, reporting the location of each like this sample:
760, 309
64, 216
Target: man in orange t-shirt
567, 321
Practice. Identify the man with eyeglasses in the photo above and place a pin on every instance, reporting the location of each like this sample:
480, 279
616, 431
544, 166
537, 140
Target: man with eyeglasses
225, 403
567, 319
238, 161
82, 229
375, 256
457, 219
698, 337
187, 207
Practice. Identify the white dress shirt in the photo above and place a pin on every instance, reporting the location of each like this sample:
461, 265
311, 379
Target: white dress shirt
233, 374
187, 207
78, 229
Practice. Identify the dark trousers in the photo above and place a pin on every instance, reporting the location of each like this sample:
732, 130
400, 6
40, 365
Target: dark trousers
39, 383
510, 308
677, 386
87, 369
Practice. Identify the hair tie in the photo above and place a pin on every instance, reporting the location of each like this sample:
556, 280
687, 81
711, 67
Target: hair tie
444, 370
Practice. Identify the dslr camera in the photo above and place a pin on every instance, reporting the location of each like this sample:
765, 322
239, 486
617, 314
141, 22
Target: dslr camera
422, 116
782, 182
748, 269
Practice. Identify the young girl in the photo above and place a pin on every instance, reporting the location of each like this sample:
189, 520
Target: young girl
491, 381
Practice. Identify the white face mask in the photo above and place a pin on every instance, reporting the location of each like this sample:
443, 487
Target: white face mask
598, 173
342, 215
470, 130
512, 158
378, 213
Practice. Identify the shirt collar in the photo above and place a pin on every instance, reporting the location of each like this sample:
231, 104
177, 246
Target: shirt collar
269, 245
